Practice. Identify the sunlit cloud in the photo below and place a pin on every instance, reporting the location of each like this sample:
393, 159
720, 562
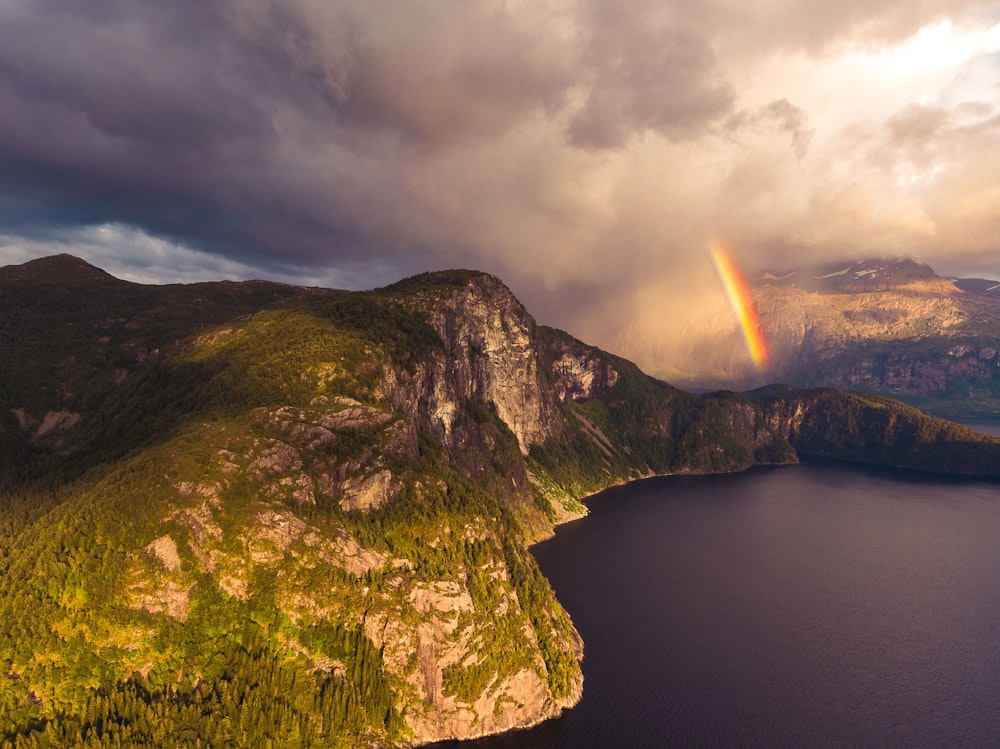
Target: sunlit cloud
936, 47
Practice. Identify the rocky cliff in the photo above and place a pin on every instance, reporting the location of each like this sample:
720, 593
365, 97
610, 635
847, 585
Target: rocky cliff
255, 513
490, 354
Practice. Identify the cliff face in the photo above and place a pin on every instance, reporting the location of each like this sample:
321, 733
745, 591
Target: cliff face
489, 353
338, 490
579, 372
873, 429
922, 374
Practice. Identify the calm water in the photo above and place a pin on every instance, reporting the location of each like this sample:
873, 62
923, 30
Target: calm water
813, 605
986, 427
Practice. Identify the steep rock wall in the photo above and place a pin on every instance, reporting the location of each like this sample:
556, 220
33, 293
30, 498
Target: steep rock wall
489, 354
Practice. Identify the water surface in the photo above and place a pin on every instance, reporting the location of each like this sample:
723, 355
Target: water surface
812, 605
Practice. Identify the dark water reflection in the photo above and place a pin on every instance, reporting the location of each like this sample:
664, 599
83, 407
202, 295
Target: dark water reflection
813, 605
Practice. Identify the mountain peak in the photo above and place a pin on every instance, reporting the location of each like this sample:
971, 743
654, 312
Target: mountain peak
62, 268
846, 276
439, 279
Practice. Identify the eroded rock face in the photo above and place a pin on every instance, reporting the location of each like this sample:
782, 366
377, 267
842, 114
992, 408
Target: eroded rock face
490, 354
925, 374
308, 460
165, 588
519, 701
422, 627
365, 493
60, 421
165, 549
579, 372
168, 597
162, 578
55, 427
448, 635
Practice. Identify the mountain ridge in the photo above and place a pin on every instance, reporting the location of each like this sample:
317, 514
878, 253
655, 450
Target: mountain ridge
302, 515
887, 326
857, 276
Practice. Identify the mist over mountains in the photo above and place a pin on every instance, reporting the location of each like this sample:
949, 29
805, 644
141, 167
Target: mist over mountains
890, 326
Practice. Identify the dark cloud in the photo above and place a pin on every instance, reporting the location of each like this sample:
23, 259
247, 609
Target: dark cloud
585, 150
647, 69
262, 129
138, 114
302, 129
426, 72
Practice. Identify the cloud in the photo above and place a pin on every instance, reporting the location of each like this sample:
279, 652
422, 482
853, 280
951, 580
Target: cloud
260, 130
133, 255
584, 150
779, 115
822, 30
645, 67
429, 73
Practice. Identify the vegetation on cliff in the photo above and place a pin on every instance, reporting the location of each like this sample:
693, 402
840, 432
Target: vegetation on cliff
257, 515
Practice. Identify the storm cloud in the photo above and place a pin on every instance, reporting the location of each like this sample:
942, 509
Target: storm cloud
586, 151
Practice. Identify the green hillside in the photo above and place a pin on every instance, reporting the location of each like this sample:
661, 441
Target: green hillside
252, 515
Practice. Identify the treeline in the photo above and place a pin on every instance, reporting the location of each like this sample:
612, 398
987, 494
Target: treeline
879, 430
225, 677
259, 699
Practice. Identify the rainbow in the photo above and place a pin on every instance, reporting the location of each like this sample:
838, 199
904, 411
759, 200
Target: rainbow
743, 304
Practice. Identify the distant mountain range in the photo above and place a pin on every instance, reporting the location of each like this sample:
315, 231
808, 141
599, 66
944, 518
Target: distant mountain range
887, 326
253, 514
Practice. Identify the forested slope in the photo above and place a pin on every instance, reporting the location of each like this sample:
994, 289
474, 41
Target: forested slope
257, 515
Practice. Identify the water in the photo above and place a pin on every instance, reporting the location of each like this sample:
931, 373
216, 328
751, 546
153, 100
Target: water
813, 605
991, 428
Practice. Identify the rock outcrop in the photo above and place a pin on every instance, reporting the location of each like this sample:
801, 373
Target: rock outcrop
489, 354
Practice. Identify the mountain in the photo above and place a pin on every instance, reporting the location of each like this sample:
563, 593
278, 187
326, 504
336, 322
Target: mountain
251, 514
887, 326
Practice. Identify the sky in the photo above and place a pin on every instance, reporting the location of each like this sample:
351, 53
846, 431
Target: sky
589, 152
